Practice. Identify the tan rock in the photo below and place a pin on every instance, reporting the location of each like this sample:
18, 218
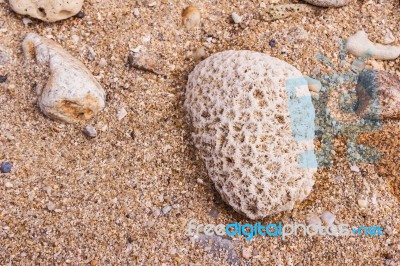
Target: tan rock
386, 86
46, 10
71, 94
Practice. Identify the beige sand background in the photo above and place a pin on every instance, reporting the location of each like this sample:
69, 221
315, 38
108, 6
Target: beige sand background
80, 201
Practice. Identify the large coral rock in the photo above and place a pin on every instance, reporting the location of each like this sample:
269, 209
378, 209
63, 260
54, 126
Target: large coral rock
47, 10
72, 93
243, 127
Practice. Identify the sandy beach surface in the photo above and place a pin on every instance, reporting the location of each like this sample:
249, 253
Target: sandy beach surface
126, 196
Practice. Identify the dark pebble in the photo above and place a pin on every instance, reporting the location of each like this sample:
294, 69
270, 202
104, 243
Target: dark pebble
3, 78
272, 43
80, 14
5, 167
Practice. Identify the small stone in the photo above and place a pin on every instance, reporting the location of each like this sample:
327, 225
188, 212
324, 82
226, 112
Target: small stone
151, 4
5, 167
313, 219
377, 65
75, 39
272, 43
388, 230
80, 14
328, 218
363, 203
8, 185
247, 253
26, 21
136, 12
156, 212
91, 54
236, 18
3, 78
191, 17
166, 209
374, 200
47, 10
200, 181
103, 62
199, 54
90, 131
122, 113
355, 168
389, 37
144, 62
51, 206
146, 38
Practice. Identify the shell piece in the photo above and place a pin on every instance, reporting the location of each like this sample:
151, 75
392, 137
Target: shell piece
46, 10
71, 94
238, 105
359, 45
284, 11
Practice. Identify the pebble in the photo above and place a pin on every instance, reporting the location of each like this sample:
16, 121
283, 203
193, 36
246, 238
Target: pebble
272, 43
91, 54
374, 200
3, 78
80, 14
50, 10
103, 62
26, 21
144, 62
191, 17
146, 38
247, 253
5, 167
328, 218
166, 209
90, 131
8, 185
75, 39
236, 18
64, 98
363, 203
136, 12
51, 206
313, 219
389, 37
199, 54
122, 113
355, 168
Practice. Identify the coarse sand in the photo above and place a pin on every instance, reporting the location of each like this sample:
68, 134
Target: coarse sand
126, 196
